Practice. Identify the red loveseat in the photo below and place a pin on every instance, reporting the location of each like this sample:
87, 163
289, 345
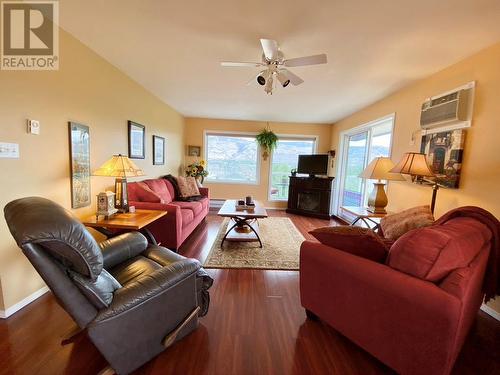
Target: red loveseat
182, 218
414, 309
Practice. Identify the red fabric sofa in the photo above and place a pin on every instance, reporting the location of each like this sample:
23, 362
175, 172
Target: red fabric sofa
182, 218
412, 310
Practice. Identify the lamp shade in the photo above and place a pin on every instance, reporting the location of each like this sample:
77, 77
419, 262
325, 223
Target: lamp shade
415, 164
379, 168
119, 166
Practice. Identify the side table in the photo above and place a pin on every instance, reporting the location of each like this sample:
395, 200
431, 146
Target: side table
130, 221
361, 213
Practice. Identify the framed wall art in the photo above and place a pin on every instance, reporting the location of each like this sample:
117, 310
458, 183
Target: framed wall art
444, 152
158, 150
194, 151
136, 140
79, 148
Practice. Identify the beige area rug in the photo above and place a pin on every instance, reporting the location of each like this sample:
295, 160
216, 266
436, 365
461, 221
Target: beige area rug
281, 242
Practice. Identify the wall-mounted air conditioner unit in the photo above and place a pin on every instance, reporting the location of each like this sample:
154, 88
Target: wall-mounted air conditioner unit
451, 108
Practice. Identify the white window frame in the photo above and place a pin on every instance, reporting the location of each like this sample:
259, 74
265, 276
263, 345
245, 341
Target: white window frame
206, 133
366, 127
285, 137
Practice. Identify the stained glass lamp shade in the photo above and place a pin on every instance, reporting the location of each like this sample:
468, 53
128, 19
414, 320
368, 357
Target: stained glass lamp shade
121, 167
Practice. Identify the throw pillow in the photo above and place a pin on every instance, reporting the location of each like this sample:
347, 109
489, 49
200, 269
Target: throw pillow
433, 252
145, 194
160, 188
395, 225
187, 187
358, 241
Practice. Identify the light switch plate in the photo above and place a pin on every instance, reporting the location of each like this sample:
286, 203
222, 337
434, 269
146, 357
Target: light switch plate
9, 150
34, 127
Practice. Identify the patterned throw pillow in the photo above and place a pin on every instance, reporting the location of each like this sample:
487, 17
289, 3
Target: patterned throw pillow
187, 187
358, 241
395, 225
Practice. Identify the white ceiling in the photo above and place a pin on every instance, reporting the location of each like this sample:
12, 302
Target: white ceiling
173, 48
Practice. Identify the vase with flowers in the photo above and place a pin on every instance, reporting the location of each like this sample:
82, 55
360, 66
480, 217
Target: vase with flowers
198, 171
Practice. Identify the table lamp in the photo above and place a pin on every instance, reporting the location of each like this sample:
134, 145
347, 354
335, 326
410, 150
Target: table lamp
415, 165
121, 167
378, 169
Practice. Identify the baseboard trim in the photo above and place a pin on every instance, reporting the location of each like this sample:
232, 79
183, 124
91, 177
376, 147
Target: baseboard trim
488, 310
26, 301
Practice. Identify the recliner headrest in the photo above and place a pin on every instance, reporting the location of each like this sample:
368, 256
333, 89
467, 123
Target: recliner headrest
41, 221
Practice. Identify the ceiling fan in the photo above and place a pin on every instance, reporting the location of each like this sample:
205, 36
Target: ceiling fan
275, 64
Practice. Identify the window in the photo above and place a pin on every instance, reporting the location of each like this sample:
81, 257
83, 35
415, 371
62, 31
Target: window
360, 146
232, 158
284, 159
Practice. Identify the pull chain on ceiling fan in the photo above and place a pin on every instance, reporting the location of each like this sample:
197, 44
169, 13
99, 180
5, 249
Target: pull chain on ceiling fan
275, 66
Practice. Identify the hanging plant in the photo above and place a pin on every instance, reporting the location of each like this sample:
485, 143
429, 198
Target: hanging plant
267, 140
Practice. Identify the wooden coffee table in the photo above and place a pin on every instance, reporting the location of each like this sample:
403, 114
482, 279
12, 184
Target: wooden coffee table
243, 225
130, 221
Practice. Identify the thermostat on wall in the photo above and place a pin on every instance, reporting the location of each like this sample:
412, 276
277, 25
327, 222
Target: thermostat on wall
33, 126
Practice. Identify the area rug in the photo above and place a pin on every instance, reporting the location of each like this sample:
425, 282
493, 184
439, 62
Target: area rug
281, 245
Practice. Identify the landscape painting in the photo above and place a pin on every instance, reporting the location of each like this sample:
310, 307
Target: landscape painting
444, 152
79, 144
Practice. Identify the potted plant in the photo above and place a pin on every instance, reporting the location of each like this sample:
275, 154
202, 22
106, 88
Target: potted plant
267, 140
198, 171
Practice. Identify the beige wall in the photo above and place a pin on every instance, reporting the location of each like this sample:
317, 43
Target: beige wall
480, 180
88, 90
194, 133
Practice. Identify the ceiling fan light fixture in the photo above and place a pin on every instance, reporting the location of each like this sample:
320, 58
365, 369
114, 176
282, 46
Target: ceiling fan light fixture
283, 79
261, 80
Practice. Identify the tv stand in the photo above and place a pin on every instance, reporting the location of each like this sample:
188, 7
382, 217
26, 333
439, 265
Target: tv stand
310, 196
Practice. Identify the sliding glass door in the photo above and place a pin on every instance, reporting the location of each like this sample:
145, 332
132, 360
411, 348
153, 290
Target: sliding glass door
359, 147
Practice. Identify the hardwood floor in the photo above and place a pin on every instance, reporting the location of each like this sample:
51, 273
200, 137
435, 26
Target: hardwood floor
255, 326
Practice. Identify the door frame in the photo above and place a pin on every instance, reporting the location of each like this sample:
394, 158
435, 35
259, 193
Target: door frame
342, 147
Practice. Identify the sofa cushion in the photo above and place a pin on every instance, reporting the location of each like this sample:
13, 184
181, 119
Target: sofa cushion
133, 269
144, 194
159, 186
196, 207
354, 240
395, 225
187, 216
433, 252
187, 187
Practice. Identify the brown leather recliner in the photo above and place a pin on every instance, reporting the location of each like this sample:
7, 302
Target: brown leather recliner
133, 298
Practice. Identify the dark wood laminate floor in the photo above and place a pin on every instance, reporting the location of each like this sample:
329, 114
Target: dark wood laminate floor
255, 326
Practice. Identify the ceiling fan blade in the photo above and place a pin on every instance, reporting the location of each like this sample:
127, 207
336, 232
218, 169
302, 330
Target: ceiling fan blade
306, 60
294, 79
270, 48
238, 64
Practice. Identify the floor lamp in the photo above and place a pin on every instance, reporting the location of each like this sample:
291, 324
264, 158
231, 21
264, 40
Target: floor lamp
415, 165
121, 167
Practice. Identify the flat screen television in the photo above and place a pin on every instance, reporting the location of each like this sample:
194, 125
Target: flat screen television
313, 164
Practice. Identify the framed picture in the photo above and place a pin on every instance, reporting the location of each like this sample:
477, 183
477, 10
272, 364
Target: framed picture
444, 152
79, 149
158, 150
194, 151
136, 140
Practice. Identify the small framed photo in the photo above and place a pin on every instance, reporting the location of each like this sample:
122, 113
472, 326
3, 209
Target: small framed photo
158, 150
194, 151
136, 140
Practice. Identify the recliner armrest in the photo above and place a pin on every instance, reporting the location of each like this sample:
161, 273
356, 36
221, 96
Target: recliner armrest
147, 287
123, 247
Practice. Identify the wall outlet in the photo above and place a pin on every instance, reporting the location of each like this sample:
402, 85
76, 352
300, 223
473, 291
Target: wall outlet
34, 127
